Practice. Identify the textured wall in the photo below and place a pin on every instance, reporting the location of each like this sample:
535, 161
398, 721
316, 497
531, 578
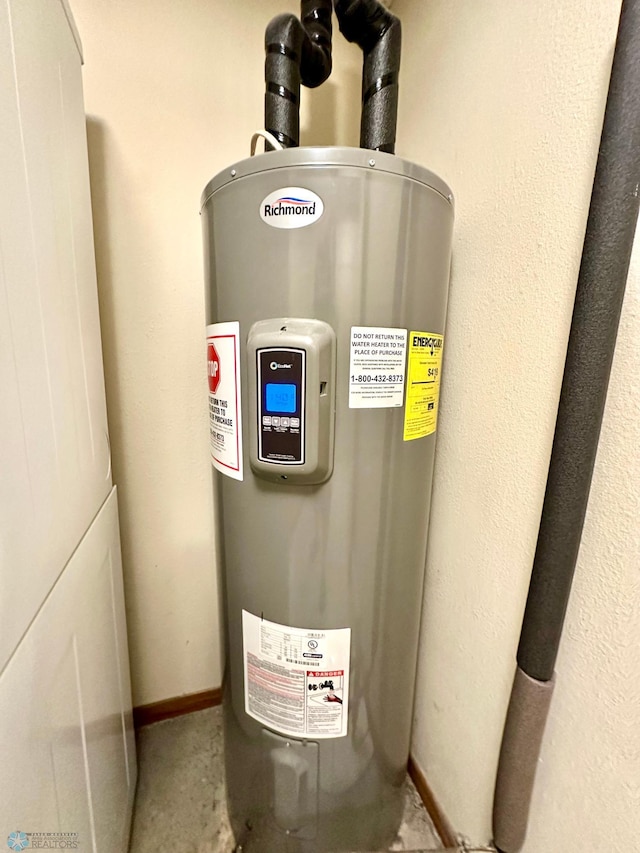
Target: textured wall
505, 100
173, 92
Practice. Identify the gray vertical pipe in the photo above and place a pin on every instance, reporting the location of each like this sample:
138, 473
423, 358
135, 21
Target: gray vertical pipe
602, 279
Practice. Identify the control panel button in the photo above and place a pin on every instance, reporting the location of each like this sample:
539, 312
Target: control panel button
284, 422
275, 422
295, 423
266, 420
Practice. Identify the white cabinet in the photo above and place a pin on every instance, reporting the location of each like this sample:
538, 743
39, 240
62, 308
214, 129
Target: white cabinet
54, 451
66, 729
66, 733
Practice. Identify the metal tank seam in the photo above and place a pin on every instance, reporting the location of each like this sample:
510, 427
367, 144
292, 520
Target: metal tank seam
339, 155
449, 199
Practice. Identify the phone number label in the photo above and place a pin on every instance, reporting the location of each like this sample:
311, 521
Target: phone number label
377, 367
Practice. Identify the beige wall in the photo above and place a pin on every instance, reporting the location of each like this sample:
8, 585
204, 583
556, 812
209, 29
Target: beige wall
173, 92
505, 100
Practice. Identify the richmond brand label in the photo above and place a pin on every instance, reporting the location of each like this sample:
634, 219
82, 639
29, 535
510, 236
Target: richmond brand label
291, 207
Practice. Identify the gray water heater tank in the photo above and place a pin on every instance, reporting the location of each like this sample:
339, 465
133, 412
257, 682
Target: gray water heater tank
327, 274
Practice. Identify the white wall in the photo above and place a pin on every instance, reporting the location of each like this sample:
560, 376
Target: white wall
505, 100
173, 92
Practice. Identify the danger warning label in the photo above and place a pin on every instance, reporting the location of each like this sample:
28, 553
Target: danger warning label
225, 416
296, 680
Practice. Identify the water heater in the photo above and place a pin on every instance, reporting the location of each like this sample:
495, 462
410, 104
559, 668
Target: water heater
327, 276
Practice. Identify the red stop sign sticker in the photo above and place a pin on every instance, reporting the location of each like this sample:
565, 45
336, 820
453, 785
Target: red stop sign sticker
213, 368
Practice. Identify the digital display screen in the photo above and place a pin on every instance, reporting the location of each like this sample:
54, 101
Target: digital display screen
280, 398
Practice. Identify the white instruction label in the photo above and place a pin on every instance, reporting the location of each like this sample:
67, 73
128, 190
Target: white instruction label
296, 680
377, 367
225, 415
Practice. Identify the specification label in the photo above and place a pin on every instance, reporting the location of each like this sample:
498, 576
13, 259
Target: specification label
376, 367
423, 384
296, 680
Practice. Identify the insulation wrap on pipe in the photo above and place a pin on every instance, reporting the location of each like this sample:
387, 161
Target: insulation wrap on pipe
297, 51
606, 255
374, 29
609, 237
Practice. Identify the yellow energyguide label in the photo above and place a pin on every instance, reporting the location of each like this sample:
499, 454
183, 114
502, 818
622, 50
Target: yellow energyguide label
423, 384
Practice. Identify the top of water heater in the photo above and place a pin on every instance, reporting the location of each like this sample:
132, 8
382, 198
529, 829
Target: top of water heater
318, 157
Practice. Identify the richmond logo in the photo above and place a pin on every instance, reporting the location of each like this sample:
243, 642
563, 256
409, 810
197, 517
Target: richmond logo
287, 206
291, 207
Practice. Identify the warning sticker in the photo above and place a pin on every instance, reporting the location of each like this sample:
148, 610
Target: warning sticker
225, 415
376, 367
296, 680
423, 384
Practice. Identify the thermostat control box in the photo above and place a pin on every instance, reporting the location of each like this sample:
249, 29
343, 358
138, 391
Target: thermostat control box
291, 365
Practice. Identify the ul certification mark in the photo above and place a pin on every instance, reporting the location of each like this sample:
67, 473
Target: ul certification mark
225, 416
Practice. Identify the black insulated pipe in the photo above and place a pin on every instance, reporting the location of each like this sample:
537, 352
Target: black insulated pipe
601, 285
297, 51
378, 33
606, 255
